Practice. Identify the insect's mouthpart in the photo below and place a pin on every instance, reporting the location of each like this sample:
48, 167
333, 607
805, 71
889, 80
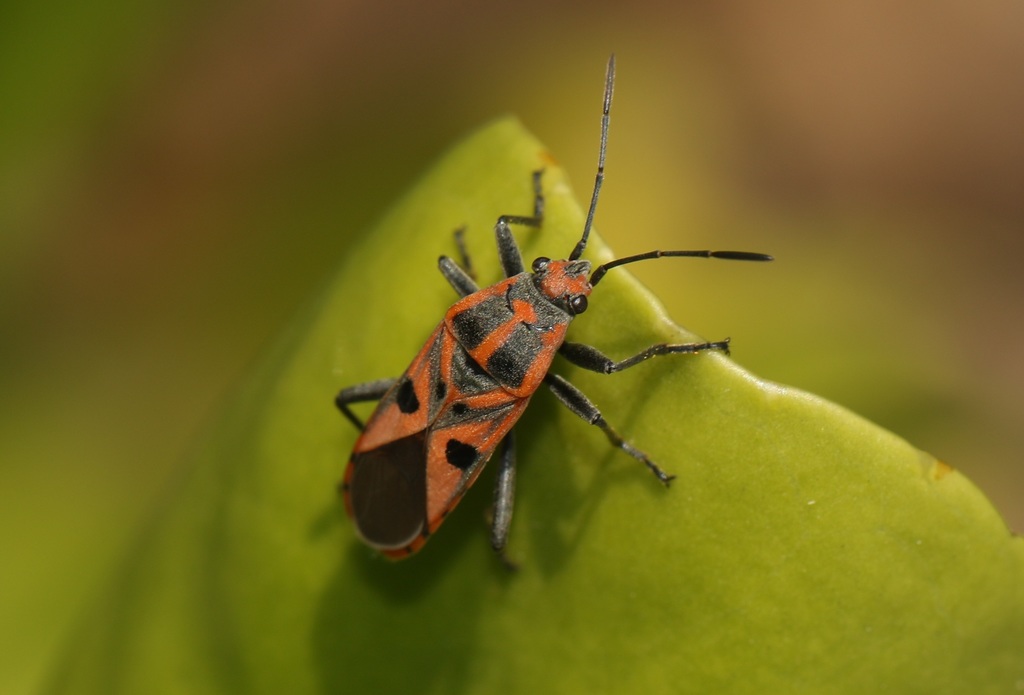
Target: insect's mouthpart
577, 268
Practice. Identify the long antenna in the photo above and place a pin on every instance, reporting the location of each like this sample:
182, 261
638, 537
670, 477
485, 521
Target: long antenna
609, 85
599, 272
581, 245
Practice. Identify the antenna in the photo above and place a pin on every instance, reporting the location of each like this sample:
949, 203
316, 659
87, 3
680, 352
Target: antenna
581, 245
599, 272
609, 85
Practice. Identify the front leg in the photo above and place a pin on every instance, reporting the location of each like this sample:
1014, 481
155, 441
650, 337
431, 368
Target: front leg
589, 357
508, 250
463, 278
577, 402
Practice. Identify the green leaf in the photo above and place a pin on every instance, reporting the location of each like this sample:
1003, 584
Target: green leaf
801, 549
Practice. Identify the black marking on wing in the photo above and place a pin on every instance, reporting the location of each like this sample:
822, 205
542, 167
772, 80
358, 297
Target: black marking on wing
406, 398
460, 454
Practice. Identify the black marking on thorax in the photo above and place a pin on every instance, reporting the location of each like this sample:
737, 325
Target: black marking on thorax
510, 363
471, 326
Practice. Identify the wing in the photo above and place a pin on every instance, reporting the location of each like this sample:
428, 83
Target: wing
459, 444
425, 445
411, 403
384, 488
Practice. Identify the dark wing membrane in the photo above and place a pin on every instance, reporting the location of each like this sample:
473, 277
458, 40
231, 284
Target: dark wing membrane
385, 492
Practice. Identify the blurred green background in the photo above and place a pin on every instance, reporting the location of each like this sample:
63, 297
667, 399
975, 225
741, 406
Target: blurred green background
176, 179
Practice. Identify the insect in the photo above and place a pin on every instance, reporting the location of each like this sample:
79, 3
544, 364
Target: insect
436, 426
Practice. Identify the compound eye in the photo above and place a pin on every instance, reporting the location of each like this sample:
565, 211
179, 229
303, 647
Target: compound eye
540, 264
578, 303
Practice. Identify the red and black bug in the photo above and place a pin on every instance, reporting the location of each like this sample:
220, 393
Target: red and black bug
437, 425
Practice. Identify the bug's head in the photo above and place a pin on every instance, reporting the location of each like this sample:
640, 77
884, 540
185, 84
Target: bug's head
565, 283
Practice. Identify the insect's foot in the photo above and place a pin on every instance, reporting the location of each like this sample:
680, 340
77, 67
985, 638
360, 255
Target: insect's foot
509, 565
665, 478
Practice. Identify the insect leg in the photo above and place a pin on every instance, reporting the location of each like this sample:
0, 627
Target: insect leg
460, 243
508, 250
504, 497
577, 402
591, 358
368, 391
457, 277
